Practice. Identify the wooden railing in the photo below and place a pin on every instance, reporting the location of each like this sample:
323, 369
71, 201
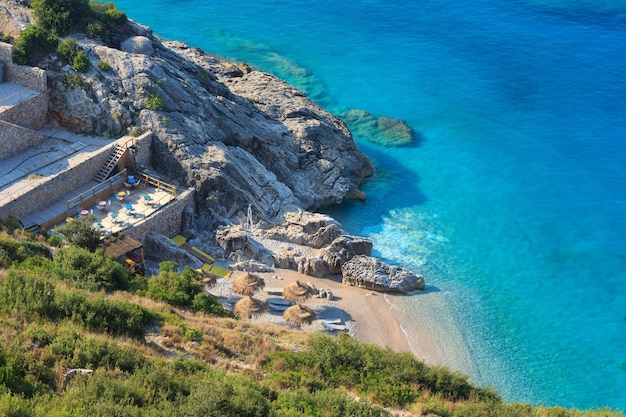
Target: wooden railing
98, 192
147, 180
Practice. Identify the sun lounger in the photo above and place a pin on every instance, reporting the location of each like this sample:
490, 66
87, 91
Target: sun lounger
201, 254
332, 327
279, 301
273, 290
218, 271
277, 307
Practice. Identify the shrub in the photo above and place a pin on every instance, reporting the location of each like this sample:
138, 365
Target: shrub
15, 251
155, 102
33, 43
81, 233
27, 294
81, 62
70, 81
113, 17
135, 131
96, 30
172, 288
61, 16
67, 49
91, 271
104, 66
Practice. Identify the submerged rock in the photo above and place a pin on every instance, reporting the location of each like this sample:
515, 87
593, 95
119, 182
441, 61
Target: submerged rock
382, 130
374, 274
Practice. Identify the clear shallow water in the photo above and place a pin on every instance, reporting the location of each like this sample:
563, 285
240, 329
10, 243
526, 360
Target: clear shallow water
513, 205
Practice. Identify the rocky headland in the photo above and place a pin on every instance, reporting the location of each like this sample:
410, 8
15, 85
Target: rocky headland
246, 141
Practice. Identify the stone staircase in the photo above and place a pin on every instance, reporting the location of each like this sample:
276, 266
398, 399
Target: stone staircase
107, 168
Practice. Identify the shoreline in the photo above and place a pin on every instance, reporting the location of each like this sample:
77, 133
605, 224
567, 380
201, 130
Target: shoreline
383, 319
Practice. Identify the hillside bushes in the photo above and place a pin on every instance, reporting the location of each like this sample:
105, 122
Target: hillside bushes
383, 376
33, 43
36, 297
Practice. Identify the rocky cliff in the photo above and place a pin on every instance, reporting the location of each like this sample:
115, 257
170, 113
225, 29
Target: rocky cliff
238, 137
242, 138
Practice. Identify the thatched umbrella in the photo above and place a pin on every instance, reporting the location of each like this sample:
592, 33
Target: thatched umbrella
297, 292
248, 284
299, 314
207, 279
249, 307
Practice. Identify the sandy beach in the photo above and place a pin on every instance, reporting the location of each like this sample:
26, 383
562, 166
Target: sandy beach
369, 316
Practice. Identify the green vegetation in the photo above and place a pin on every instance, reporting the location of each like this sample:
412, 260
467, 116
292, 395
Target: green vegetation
143, 357
34, 42
81, 62
67, 49
59, 18
62, 16
155, 102
70, 80
103, 66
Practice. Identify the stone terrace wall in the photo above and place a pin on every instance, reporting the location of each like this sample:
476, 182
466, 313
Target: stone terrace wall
45, 190
29, 77
167, 220
16, 139
31, 113
142, 156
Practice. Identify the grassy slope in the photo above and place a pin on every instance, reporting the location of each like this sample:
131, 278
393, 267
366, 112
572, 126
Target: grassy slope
150, 358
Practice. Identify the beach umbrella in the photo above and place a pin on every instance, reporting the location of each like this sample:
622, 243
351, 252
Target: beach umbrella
207, 279
247, 284
299, 314
297, 292
249, 307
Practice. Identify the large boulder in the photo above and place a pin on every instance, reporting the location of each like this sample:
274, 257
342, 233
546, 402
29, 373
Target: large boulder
314, 266
138, 45
305, 228
374, 274
158, 246
342, 249
240, 246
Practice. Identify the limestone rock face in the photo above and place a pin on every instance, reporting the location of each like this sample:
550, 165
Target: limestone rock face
374, 274
305, 228
315, 267
238, 136
342, 249
240, 247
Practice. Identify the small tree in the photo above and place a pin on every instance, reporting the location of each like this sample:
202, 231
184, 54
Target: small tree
90, 270
61, 16
81, 62
81, 233
33, 43
67, 49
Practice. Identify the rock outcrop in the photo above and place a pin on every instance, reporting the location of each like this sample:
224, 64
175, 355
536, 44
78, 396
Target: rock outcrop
382, 130
244, 139
238, 136
158, 243
374, 274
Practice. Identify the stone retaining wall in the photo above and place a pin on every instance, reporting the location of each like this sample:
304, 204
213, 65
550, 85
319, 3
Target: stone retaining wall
31, 113
16, 139
29, 77
142, 154
167, 220
45, 190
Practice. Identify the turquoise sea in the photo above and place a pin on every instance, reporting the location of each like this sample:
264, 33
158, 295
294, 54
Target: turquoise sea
513, 203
